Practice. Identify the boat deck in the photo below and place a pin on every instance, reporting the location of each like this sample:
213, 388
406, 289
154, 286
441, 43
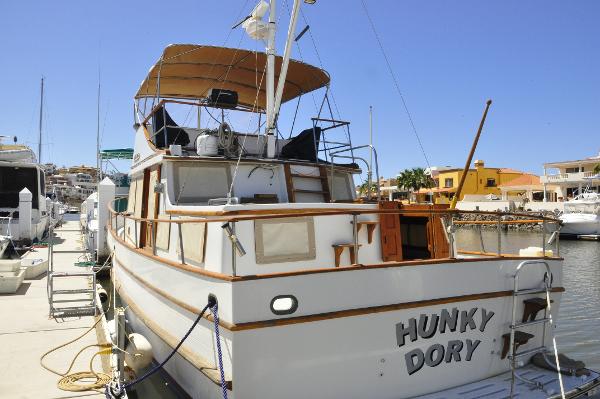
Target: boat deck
26, 331
498, 387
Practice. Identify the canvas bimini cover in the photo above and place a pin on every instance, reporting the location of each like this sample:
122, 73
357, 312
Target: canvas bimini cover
189, 71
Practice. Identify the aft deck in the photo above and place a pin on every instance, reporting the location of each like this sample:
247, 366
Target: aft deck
498, 387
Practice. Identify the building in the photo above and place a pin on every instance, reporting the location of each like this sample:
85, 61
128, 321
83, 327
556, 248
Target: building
479, 182
528, 188
571, 177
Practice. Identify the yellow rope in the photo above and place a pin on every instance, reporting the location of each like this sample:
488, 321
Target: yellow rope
70, 382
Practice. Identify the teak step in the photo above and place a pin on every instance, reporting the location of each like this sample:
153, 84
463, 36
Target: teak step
301, 176
371, 225
532, 308
299, 190
338, 249
521, 338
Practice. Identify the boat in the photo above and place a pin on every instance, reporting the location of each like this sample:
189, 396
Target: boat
4, 242
311, 292
581, 216
19, 170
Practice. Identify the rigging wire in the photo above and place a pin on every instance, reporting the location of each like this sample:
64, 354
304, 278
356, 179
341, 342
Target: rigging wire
391, 71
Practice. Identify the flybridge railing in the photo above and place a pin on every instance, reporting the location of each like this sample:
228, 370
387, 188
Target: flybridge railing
145, 230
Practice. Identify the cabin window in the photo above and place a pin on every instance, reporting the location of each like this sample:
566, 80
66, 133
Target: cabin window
15, 179
198, 183
139, 191
449, 182
284, 240
193, 236
341, 189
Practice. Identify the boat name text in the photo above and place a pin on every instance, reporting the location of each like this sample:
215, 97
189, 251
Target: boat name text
428, 326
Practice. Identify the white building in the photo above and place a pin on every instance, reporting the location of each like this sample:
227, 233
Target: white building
571, 177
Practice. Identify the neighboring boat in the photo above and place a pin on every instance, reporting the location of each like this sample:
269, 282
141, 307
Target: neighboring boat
581, 215
18, 170
4, 242
319, 295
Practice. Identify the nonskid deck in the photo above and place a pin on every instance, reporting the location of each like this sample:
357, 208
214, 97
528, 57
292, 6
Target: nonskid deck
498, 387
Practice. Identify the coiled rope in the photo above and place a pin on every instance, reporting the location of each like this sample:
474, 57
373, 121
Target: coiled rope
70, 382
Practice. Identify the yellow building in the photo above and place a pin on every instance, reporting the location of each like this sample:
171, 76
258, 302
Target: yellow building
479, 181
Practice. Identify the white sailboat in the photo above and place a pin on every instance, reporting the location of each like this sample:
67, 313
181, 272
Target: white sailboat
319, 295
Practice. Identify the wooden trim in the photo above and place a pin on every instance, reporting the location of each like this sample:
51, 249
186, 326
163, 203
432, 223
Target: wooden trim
191, 269
289, 183
226, 277
166, 295
202, 365
329, 315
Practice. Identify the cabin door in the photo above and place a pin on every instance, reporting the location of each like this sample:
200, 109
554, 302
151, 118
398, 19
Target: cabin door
150, 205
391, 240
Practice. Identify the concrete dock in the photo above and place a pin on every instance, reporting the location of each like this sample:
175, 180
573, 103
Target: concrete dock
27, 331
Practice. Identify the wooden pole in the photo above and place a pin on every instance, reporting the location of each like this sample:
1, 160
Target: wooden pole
470, 158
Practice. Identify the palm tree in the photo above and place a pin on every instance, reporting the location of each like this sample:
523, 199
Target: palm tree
414, 179
597, 169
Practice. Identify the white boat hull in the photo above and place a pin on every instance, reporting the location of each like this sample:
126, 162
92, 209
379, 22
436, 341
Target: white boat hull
325, 355
580, 224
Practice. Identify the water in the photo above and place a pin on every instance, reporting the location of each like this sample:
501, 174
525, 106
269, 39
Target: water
578, 323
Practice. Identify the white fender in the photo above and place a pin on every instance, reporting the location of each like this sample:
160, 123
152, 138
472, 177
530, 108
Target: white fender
139, 352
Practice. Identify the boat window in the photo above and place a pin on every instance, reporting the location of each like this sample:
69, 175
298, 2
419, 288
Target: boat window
15, 179
284, 240
195, 184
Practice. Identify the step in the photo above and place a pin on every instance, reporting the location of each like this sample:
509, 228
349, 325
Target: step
530, 323
298, 190
72, 274
73, 300
301, 176
533, 351
74, 291
530, 291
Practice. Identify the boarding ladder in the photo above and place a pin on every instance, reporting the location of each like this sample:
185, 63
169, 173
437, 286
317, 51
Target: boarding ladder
515, 326
81, 298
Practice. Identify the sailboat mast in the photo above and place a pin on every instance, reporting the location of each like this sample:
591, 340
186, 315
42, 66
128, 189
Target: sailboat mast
40, 125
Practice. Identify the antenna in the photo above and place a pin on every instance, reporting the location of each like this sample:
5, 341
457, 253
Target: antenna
41, 113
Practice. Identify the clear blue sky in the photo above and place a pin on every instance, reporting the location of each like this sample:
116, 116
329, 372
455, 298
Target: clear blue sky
538, 60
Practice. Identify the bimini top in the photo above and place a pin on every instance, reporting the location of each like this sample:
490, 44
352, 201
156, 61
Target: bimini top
188, 71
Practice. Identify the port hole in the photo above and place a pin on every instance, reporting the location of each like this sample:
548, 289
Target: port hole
284, 304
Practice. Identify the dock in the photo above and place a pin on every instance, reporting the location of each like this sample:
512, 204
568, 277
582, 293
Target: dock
27, 331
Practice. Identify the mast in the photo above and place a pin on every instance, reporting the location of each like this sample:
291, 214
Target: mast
98, 165
370, 171
271, 79
40, 125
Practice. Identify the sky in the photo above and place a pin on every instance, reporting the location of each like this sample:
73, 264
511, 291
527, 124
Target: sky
539, 61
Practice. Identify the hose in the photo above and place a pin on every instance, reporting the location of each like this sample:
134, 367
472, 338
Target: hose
69, 382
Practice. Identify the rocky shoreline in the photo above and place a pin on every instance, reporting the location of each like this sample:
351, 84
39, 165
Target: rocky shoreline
510, 222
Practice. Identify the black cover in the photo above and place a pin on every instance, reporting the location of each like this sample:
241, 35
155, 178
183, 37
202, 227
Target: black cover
303, 146
175, 134
222, 98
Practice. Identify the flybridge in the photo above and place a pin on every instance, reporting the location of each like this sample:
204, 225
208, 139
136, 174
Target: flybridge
428, 326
